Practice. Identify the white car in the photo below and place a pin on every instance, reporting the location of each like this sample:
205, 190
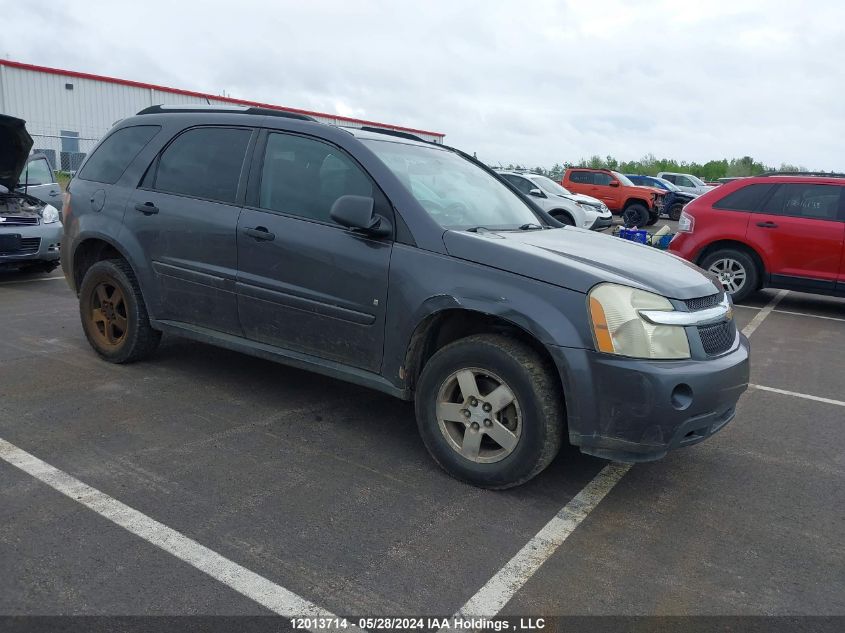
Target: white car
574, 209
686, 182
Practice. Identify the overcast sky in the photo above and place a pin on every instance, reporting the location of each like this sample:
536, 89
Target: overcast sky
525, 82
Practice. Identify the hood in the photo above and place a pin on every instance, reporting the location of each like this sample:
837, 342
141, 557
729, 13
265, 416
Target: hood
15, 143
580, 197
657, 190
686, 195
579, 259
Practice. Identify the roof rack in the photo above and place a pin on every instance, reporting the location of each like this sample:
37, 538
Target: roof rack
397, 133
232, 109
819, 174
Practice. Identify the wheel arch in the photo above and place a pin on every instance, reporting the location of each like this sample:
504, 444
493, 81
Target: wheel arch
561, 211
450, 324
736, 245
93, 247
632, 201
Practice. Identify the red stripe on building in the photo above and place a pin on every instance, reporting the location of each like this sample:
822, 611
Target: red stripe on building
203, 95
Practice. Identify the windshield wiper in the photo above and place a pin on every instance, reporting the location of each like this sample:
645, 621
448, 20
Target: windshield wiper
477, 229
531, 226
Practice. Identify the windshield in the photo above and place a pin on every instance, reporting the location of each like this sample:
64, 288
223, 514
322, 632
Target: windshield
550, 186
456, 193
665, 184
623, 179
698, 181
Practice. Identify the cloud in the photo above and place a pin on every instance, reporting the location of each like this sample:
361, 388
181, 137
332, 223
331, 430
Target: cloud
536, 83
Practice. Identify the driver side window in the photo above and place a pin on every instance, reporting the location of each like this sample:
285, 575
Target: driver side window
600, 178
523, 184
304, 177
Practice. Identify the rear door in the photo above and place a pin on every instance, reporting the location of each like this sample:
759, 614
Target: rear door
800, 227
305, 283
39, 181
185, 217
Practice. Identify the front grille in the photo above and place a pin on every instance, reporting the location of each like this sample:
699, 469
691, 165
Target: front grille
29, 245
702, 303
717, 339
18, 220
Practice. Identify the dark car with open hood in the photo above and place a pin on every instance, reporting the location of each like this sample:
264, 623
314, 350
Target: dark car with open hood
375, 257
30, 229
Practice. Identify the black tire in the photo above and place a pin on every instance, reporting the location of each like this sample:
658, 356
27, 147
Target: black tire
675, 211
138, 339
751, 281
563, 217
533, 382
635, 215
652, 218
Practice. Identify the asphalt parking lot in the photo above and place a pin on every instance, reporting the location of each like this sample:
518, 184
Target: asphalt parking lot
324, 489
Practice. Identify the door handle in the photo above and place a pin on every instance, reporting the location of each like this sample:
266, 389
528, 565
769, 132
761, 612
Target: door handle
260, 233
767, 225
148, 208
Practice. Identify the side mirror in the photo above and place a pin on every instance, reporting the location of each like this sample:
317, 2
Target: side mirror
614, 183
536, 193
357, 213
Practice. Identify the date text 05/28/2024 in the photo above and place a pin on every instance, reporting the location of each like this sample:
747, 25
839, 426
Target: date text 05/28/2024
423, 623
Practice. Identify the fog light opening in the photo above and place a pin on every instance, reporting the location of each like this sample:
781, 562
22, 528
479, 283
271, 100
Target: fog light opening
681, 397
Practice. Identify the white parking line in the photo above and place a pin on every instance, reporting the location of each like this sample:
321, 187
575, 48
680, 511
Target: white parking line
489, 600
815, 316
26, 281
803, 314
748, 330
247, 583
796, 394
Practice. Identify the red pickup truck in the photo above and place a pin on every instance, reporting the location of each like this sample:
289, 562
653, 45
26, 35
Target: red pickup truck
638, 206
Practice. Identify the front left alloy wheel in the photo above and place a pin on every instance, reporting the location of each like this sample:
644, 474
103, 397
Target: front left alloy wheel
489, 410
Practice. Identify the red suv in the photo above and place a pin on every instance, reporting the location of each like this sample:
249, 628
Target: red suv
776, 230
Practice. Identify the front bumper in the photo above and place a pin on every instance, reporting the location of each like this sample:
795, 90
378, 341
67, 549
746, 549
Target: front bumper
633, 410
602, 223
39, 243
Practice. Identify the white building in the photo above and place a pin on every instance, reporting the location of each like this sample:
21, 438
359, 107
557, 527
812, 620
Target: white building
67, 112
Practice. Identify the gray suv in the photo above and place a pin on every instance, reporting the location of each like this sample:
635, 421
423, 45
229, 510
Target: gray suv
404, 266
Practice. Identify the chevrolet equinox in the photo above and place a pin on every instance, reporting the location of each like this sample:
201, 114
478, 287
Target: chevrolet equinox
405, 266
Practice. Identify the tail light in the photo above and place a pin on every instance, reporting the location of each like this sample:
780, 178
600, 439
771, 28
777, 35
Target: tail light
686, 223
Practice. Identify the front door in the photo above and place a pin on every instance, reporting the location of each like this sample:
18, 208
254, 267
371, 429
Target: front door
305, 283
38, 181
185, 217
799, 227
603, 190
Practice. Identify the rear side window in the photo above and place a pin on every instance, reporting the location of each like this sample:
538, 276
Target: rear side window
801, 200
670, 178
112, 157
204, 163
582, 177
746, 199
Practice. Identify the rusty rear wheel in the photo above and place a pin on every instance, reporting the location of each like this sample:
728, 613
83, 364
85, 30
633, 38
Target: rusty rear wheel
109, 319
113, 313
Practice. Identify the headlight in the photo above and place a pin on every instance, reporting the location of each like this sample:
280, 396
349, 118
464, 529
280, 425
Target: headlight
618, 327
50, 214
